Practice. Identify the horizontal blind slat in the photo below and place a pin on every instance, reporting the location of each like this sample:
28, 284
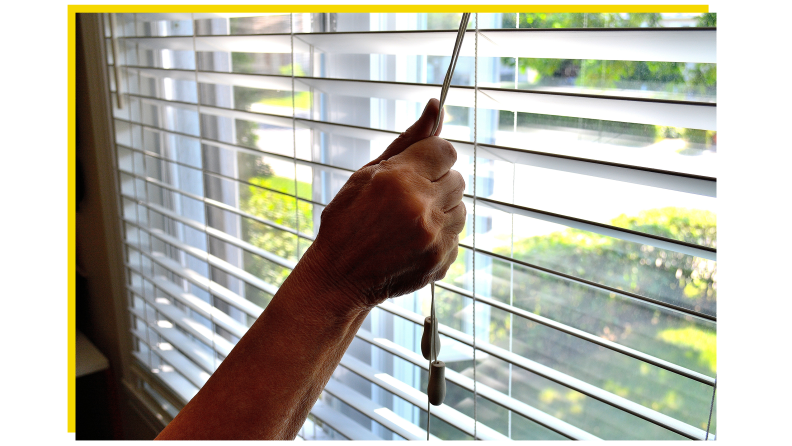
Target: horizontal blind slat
624, 404
625, 173
178, 361
179, 340
419, 399
343, 424
174, 381
376, 412
638, 111
202, 282
277, 43
578, 385
483, 390
225, 266
666, 45
584, 335
159, 16
199, 306
633, 174
191, 326
601, 229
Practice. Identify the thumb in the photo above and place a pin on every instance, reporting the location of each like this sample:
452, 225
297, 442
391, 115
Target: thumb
418, 131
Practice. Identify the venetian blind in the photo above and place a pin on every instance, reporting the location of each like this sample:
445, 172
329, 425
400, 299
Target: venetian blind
592, 270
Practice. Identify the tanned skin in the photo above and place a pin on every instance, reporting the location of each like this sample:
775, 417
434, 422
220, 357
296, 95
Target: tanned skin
393, 228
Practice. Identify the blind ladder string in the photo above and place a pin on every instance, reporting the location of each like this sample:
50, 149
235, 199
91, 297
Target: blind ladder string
428, 403
119, 96
712, 404
294, 147
294, 139
206, 205
151, 346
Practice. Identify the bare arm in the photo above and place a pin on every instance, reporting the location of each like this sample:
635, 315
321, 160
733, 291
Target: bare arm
391, 230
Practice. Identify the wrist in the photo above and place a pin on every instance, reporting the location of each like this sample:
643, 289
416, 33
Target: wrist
316, 284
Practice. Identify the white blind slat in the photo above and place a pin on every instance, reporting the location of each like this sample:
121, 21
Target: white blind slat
679, 45
376, 412
341, 423
178, 361
159, 104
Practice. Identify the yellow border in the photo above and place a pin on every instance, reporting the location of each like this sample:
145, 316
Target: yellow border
74, 9
389, 8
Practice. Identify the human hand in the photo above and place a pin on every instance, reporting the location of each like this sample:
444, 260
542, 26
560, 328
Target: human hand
394, 226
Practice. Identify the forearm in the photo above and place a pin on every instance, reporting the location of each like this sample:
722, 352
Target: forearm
265, 388
390, 230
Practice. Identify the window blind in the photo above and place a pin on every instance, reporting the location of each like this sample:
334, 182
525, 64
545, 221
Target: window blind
592, 270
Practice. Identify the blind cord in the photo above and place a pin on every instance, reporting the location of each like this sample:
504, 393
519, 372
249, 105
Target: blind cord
712, 404
431, 354
475, 147
294, 139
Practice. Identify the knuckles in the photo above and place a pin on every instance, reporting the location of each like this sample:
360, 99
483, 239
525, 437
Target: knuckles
400, 214
445, 148
407, 202
439, 148
436, 257
459, 181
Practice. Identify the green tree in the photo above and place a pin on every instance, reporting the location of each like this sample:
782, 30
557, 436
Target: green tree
641, 269
666, 76
708, 19
262, 199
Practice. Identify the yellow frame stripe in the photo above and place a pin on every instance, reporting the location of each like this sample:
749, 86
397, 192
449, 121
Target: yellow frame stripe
390, 8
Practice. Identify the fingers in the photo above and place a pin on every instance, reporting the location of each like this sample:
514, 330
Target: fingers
447, 262
455, 218
450, 190
418, 131
430, 158
454, 223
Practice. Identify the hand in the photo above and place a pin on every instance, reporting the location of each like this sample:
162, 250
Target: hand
391, 229
395, 225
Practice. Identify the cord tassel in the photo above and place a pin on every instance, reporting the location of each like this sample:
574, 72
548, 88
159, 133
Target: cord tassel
426, 339
437, 384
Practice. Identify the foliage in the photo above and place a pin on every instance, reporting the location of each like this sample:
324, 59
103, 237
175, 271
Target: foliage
644, 270
661, 76
666, 76
583, 20
444, 21
708, 19
702, 342
640, 269
534, 120
263, 200
246, 133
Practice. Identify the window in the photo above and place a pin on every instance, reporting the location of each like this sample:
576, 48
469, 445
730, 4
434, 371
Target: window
588, 142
